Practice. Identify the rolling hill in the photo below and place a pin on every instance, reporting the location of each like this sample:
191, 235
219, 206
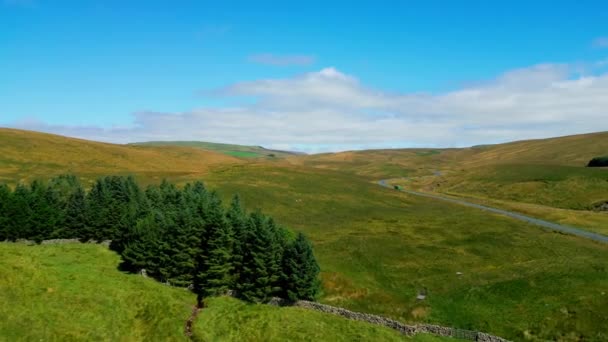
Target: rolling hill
547, 178
26, 155
377, 248
76, 292
575, 150
240, 151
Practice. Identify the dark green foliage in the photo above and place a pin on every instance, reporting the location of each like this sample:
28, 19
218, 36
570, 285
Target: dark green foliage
300, 270
598, 162
237, 219
143, 251
184, 237
75, 215
5, 200
214, 268
44, 217
67, 198
260, 272
19, 214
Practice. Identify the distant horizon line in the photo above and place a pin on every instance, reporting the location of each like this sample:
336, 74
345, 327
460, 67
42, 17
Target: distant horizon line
296, 151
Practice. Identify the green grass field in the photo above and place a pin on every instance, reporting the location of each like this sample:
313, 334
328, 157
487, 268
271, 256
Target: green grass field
379, 248
75, 292
228, 319
566, 187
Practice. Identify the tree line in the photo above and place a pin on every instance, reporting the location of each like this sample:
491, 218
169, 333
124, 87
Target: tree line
181, 236
598, 162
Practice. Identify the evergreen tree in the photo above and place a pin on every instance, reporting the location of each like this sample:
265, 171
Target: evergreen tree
44, 216
184, 236
260, 268
181, 237
5, 200
214, 270
60, 191
237, 219
142, 251
19, 214
97, 212
131, 204
114, 205
300, 270
75, 215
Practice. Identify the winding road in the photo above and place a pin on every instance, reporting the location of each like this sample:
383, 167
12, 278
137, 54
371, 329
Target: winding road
545, 224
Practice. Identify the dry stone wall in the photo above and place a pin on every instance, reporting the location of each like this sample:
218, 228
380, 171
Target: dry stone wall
61, 242
357, 316
387, 322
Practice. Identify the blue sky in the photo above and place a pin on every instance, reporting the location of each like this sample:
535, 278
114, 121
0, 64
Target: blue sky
122, 70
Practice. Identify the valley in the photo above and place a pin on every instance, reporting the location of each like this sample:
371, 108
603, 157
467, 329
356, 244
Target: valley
378, 248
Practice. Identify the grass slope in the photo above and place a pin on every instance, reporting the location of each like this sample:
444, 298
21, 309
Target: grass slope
75, 292
566, 187
575, 150
25, 155
228, 319
378, 249
240, 151
546, 178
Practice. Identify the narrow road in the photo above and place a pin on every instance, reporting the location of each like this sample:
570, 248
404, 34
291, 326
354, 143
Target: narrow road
546, 224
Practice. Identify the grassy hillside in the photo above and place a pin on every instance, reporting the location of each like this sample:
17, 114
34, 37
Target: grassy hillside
546, 178
228, 319
75, 292
240, 151
378, 164
26, 155
574, 150
566, 187
379, 248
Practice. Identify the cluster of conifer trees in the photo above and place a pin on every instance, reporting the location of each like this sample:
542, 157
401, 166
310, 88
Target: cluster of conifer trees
182, 236
598, 162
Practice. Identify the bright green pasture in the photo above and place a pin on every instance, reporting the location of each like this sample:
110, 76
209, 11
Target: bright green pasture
379, 249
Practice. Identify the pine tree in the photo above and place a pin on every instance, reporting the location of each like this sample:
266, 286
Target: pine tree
98, 208
75, 215
44, 217
184, 244
19, 214
275, 250
131, 204
60, 190
114, 205
142, 251
179, 236
300, 270
260, 267
5, 199
214, 270
237, 220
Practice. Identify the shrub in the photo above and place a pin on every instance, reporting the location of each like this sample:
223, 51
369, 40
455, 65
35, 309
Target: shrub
598, 162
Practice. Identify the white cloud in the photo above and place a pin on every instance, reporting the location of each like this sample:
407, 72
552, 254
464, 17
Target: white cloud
328, 110
601, 42
281, 60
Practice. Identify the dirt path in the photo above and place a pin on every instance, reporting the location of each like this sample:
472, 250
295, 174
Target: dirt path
188, 327
545, 224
